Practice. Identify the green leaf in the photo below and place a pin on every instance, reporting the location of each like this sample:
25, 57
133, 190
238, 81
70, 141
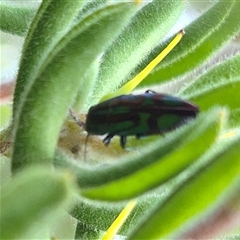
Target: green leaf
60, 80
156, 164
15, 19
47, 28
144, 32
200, 42
221, 95
90, 6
224, 213
97, 217
197, 194
93, 213
86, 232
217, 85
35, 195
88, 81
235, 118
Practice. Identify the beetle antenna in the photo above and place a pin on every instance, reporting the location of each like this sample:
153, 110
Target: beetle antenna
85, 148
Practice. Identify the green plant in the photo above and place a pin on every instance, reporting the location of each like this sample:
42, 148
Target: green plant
74, 53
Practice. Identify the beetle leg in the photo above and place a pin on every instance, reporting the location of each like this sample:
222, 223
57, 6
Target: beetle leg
162, 134
150, 92
123, 140
138, 136
107, 139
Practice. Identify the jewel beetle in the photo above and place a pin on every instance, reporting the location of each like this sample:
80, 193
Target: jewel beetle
140, 115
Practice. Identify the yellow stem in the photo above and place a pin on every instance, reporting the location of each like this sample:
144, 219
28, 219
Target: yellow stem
113, 229
228, 134
133, 83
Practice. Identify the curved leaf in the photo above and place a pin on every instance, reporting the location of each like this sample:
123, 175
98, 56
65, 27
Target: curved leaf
235, 118
101, 215
88, 81
144, 32
96, 214
15, 19
223, 73
195, 195
220, 85
221, 95
220, 220
47, 28
46, 105
35, 195
200, 42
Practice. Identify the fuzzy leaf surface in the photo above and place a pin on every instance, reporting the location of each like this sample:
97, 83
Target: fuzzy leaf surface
15, 19
195, 195
220, 85
144, 32
36, 194
46, 105
200, 42
47, 28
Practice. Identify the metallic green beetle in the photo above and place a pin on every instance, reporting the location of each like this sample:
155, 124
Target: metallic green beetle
140, 115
